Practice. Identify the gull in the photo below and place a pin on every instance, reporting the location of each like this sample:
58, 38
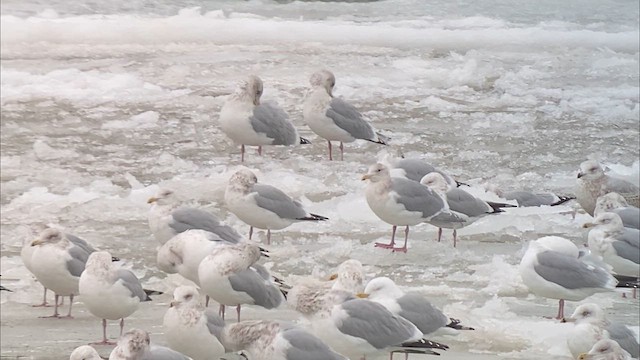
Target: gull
58, 263
402, 202
108, 292
464, 205
263, 206
167, 219
84, 352
525, 198
411, 306
416, 169
333, 118
248, 122
605, 349
593, 182
550, 268
591, 325
136, 345
230, 276
349, 277
189, 326
615, 203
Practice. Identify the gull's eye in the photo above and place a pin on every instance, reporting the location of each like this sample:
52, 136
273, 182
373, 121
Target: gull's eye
188, 296
585, 313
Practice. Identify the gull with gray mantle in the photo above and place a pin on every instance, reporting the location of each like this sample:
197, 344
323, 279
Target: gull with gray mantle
333, 118
615, 203
248, 122
263, 206
135, 344
402, 202
593, 182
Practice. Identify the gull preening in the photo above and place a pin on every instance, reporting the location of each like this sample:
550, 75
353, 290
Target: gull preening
263, 206
333, 118
248, 122
593, 182
616, 203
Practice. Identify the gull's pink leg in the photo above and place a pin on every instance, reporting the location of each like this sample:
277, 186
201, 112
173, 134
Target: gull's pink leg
560, 309
455, 237
260, 150
44, 300
330, 156
268, 237
104, 341
439, 234
221, 311
250, 232
393, 240
242, 153
406, 236
341, 151
68, 316
55, 309
238, 310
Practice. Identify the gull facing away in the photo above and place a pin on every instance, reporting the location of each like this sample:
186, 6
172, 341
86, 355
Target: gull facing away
189, 326
230, 276
248, 122
349, 277
135, 344
593, 182
615, 203
459, 202
167, 219
592, 325
84, 352
551, 268
263, 206
57, 263
108, 292
333, 118
402, 202
605, 349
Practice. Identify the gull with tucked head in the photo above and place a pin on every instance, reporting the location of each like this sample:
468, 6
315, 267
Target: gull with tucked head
84, 352
616, 203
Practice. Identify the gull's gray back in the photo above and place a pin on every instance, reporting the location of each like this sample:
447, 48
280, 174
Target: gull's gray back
417, 197
630, 216
79, 256
349, 119
274, 200
163, 353
421, 313
465, 203
569, 272
416, 169
625, 338
263, 292
190, 218
131, 282
628, 245
620, 186
305, 346
215, 323
272, 121
526, 198
81, 243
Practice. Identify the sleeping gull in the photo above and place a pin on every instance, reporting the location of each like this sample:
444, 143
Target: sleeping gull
592, 325
526, 198
349, 277
248, 122
550, 268
58, 263
108, 292
188, 326
605, 349
402, 202
84, 352
593, 182
167, 219
333, 118
411, 306
466, 206
356, 327
136, 345
263, 206
615, 203
230, 276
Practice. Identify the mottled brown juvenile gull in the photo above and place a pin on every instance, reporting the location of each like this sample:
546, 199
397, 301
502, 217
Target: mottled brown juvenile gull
84, 352
136, 345
349, 277
248, 122
593, 182
263, 206
333, 118
615, 203
402, 202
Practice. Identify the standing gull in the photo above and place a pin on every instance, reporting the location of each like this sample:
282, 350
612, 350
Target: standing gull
248, 122
334, 119
555, 274
402, 202
108, 292
136, 345
460, 202
615, 203
593, 182
167, 219
263, 206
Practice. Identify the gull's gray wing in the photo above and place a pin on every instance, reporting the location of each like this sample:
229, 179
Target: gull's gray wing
305, 346
630, 216
190, 218
625, 338
79, 256
131, 282
421, 313
628, 245
620, 186
370, 321
526, 198
416, 169
276, 201
263, 292
465, 203
349, 119
569, 272
271, 120
416, 197
215, 324
81, 243
163, 353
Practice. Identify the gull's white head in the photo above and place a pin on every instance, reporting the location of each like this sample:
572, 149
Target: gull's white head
134, 343
185, 296
377, 172
589, 313
610, 201
49, 236
557, 244
381, 287
325, 79
250, 90
98, 262
243, 179
85, 352
605, 349
349, 277
435, 181
607, 221
590, 170
163, 197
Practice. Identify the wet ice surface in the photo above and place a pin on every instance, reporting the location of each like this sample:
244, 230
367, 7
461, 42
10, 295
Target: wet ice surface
98, 111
